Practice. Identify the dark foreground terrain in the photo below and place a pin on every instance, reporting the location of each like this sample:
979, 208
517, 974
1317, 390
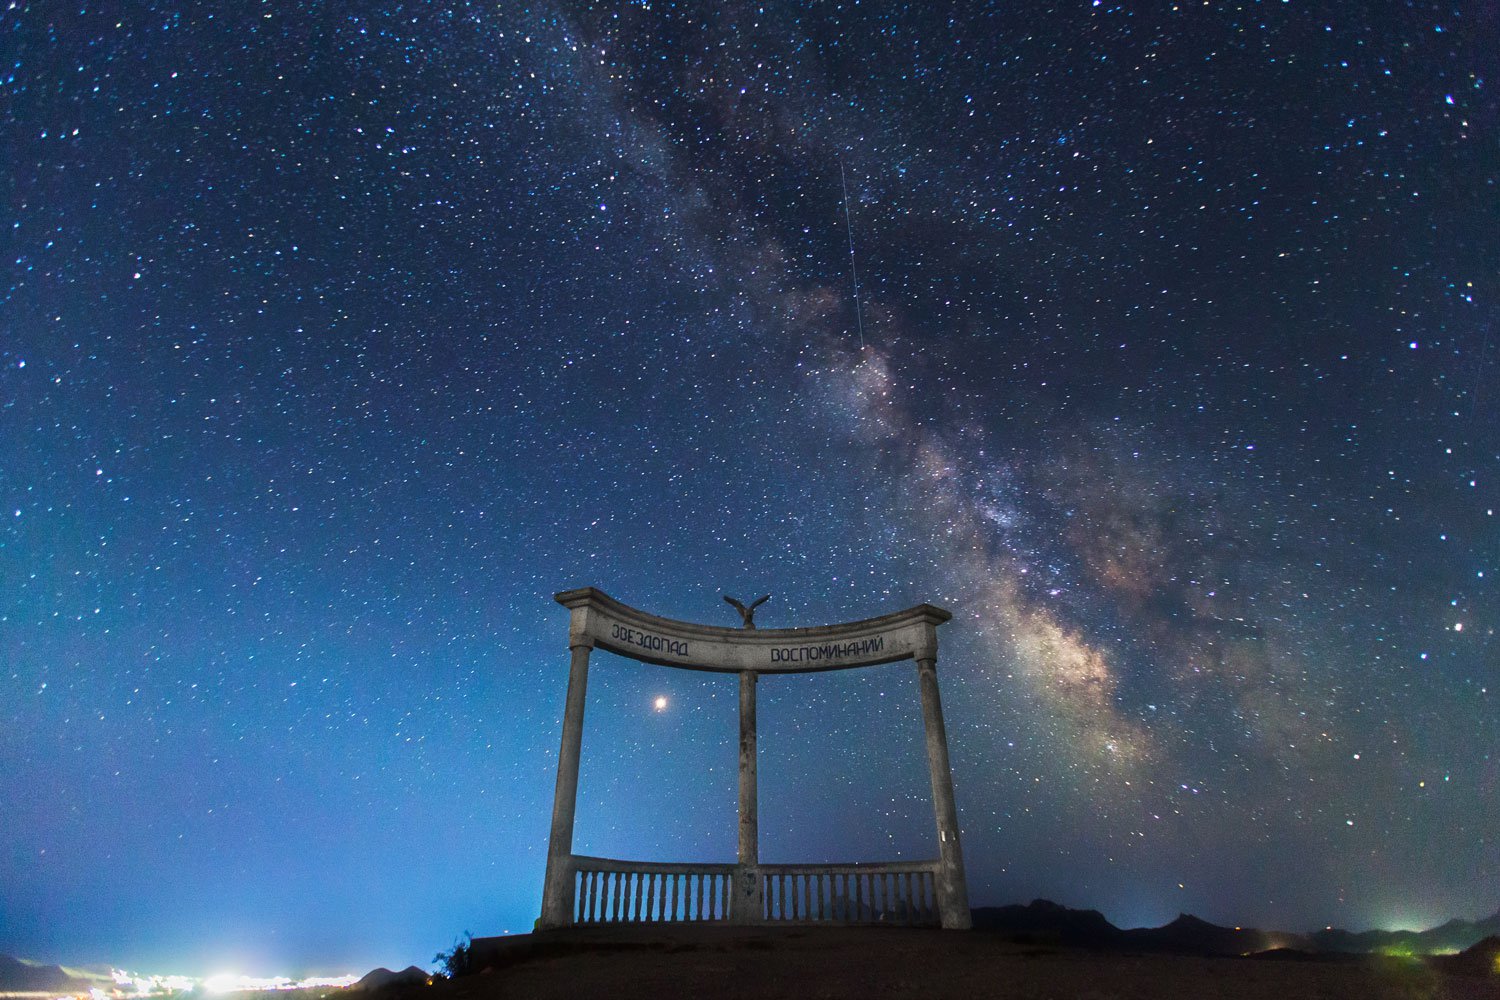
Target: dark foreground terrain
723, 963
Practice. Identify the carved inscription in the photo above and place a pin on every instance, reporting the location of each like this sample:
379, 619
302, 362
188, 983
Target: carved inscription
827, 650
646, 640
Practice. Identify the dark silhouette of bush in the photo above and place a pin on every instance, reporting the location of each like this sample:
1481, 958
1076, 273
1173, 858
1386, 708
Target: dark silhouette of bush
458, 960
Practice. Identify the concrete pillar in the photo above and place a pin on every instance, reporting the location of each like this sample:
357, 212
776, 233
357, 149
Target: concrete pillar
952, 889
746, 906
557, 889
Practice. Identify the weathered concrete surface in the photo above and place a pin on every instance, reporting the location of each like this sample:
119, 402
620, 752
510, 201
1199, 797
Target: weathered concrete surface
600, 620
746, 905
953, 889
557, 888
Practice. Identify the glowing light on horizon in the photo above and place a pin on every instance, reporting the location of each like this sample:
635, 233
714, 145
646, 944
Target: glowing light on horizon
130, 984
230, 983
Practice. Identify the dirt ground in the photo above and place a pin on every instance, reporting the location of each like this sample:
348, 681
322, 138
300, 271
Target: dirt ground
815, 963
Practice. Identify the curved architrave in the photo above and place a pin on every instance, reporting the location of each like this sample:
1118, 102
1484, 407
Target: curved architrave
600, 620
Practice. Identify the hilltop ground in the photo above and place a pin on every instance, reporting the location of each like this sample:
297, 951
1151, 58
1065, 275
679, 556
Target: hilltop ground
817, 963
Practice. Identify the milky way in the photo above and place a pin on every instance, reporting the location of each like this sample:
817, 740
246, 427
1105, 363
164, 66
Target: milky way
338, 337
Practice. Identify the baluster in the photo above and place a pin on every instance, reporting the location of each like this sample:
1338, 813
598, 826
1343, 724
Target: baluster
821, 915
640, 897
675, 879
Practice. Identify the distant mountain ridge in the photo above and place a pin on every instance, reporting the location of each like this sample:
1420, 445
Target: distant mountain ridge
1044, 921
382, 978
20, 976
1453, 936
1466, 943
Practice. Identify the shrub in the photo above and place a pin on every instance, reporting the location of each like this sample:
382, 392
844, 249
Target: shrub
458, 960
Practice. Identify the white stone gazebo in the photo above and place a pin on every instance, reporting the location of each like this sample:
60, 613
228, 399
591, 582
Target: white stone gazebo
584, 890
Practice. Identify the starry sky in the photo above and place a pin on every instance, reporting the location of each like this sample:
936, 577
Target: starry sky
336, 337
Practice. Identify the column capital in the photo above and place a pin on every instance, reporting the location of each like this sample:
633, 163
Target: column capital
580, 642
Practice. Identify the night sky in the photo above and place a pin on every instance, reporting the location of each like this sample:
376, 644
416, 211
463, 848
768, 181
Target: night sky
337, 337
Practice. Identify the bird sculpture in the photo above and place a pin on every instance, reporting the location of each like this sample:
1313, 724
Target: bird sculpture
748, 614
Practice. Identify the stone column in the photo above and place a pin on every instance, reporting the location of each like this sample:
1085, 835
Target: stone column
557, 890
952, 889
746, 904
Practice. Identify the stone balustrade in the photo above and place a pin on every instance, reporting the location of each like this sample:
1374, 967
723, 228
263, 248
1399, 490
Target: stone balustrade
900, 892
610, 891
646, 892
